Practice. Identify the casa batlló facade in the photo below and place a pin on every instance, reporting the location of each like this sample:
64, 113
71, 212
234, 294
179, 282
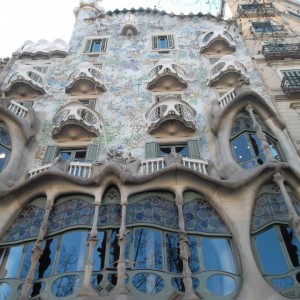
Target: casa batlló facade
145, 160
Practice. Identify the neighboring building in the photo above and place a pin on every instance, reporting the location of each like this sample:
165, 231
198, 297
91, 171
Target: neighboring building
145, 160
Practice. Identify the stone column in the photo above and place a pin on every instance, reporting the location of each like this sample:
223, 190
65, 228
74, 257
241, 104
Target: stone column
184, 253
121, 268
86, 288
293, 216
37, 250
261, 135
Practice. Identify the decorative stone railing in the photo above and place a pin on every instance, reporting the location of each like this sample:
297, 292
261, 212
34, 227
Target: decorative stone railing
227, 98
227, 64
256, 9
78, 113
166, 67
291, 86
81, 169
206, 39
39, 170
44, 48
18, 109
276, 51
86, 71
28, 75
170, 106
149, 166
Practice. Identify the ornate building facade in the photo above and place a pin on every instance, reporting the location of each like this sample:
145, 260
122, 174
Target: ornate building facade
145, 159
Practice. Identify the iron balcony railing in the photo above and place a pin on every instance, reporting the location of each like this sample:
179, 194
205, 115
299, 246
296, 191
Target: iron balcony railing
281, 51
257, 9
291, 86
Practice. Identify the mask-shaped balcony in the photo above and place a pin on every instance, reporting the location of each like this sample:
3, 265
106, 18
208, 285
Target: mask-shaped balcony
167, 75
129, 25
214, 42
171, 116
227, 72
86, 79
43, 49
76, 121
26, 81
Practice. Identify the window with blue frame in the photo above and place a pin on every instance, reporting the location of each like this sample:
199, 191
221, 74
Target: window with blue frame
5, 146
163, 42
274, 242
246, 146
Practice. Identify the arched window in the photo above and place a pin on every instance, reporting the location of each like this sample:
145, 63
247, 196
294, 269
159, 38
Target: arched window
246, 145
275, 246
5, 146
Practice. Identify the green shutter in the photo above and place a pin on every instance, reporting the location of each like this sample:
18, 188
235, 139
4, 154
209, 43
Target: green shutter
152, 150
171, 41
92, 152
92, 103
154, 42
193, 149
87, 47
50, 154
103, 44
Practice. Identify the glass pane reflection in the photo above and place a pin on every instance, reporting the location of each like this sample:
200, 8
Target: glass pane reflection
217, 255
194, 258
282, 283
11, 259
148, 283
221, 285
26, 262
174, 263
99, 251
4, 291
270, 251
72, 252
148, 249
65, 286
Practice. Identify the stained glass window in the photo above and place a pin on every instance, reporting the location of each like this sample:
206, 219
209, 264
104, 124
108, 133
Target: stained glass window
5, 146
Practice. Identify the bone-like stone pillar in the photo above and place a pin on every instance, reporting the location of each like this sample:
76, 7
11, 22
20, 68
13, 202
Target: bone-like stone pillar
121, 268
184, 253
261, 135
86, 288
37, 250
293, 216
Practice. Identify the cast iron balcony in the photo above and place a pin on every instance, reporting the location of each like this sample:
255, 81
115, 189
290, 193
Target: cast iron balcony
75, 114
256, 9
170, 108
85, 77
165, 69
291, 86
281, 51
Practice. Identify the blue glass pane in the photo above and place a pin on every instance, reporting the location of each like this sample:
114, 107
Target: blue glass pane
27, 261
65, 155
217, 255
4, 291
221, 285
10, 261
174, 263
148, 283
4, 137
162, 42
109, 214
241, 148
270, 251
99, 251
194, 258
292, 244
26, 225
182, 151
96, 46
283, 282
46, 262
200, 216
72, 252
65, 286
153, 210
4, 156
147, 249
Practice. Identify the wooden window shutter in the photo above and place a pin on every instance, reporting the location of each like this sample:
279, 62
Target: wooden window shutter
193, 149
154, 42
171, 44
92, 152
50, 154
92, 103
152, 150
103, 44
87, 47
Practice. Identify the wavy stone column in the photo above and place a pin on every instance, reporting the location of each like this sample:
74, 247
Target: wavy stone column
261, 135
184, 253
86, 288
293, 216
121, 268
37, 250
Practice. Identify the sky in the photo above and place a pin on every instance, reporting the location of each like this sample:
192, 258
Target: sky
22, 20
